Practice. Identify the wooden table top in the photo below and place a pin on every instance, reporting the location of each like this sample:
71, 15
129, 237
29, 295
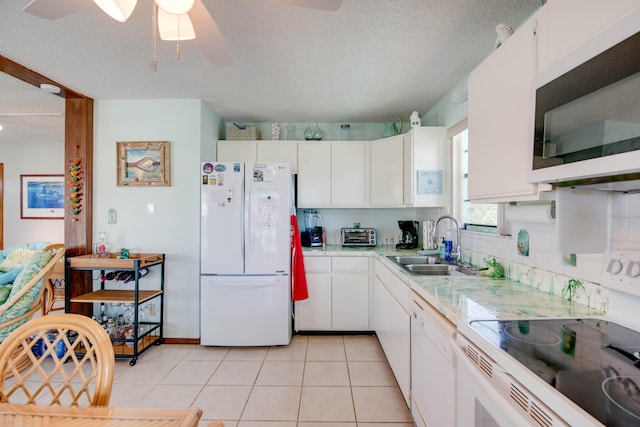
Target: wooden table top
49, 416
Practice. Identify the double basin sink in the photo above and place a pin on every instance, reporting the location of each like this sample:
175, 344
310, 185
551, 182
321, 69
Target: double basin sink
430, 266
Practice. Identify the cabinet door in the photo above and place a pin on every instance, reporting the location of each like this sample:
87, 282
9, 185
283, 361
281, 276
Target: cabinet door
314, 313
381, 314
314, 174
400, 337
350, 302
236, 151
279, 151
387, 171
501, 101
564, 25
348, 172
425, 171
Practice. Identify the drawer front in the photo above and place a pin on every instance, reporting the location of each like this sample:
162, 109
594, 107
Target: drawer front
317, 264
342, 264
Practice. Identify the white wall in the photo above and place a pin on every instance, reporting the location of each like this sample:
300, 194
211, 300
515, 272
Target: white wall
174, 228
29, 158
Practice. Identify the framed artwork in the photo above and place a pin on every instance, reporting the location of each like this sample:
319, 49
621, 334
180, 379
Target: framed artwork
42, 196
144, 164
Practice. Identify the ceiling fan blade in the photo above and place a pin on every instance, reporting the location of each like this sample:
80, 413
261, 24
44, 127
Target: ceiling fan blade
209, 39
55, 9
329, 5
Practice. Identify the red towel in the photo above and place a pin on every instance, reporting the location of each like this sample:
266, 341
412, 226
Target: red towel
298, 276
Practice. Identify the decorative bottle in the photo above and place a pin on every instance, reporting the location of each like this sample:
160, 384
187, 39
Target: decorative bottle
312, 132
100, 248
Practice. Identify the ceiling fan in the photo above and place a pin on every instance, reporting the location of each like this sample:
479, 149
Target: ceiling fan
176, 19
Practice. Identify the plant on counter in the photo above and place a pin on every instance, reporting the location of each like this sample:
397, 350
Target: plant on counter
573, 290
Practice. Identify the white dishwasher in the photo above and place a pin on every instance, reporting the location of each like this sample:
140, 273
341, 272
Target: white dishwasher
433, 375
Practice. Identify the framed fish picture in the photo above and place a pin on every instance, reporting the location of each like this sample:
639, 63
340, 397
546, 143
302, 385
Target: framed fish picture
144, 163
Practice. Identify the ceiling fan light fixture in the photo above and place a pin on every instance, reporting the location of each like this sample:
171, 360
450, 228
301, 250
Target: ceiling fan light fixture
176, 7
175, 27
120, 10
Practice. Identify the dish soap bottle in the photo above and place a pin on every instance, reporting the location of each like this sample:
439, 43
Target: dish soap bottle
441, 249
448, 246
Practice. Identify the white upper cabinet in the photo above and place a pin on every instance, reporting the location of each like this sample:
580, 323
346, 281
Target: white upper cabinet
314, 174
387, 172
501, 110
332, 174
348, 173
279, 151
237, 151
565, 25
425, 172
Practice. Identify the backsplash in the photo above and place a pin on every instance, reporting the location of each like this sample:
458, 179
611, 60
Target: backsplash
544, 269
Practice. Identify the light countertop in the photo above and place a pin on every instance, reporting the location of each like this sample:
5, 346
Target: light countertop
463, 298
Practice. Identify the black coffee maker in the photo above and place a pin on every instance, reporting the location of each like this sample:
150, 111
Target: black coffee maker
409, 238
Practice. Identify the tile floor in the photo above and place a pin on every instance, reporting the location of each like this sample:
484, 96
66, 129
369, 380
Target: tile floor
316, 381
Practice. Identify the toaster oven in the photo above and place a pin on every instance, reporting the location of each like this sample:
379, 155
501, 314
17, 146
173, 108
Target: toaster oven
358, 236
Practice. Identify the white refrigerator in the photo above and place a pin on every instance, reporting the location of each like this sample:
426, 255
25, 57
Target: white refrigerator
245, 255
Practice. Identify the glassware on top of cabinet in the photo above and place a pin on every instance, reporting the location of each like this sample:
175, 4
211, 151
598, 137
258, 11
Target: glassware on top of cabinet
291, 133
312, 132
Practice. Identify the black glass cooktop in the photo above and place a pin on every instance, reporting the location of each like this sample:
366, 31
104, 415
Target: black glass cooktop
594, 363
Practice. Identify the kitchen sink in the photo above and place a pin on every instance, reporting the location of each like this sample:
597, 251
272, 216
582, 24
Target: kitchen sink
430, 266
416, 259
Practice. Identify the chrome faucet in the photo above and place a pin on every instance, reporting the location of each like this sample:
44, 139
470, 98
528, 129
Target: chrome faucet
457, 254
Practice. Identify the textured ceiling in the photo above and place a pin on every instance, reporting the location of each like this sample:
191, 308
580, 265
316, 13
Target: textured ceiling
370, 61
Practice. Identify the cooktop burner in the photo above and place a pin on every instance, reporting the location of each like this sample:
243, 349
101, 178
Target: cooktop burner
593, 362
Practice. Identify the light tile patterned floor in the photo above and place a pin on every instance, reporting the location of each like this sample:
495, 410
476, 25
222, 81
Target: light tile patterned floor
316, 381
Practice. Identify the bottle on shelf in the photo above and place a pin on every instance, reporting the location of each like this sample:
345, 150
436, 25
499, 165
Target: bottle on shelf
101, 248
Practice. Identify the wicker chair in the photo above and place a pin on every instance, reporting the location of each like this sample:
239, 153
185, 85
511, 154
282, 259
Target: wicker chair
54, 285
71, 362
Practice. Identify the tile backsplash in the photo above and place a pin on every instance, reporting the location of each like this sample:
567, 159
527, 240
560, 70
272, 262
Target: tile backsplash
544, 267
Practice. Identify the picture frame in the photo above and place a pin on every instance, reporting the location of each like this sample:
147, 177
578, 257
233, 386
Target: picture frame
42, 196
144, 163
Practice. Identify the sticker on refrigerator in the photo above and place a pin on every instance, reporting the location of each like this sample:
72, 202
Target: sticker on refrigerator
221, 197
207, 168
219, 167
262, 173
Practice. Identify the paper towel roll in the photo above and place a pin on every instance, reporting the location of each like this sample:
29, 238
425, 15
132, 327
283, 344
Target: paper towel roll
533, 213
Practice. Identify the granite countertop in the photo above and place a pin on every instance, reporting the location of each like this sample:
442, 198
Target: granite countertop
463, 298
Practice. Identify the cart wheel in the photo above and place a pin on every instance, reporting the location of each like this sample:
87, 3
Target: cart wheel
133, 361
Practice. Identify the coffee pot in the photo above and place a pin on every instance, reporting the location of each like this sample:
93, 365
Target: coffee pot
409, 237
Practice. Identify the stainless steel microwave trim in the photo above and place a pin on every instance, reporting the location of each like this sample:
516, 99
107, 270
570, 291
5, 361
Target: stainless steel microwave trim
609, 57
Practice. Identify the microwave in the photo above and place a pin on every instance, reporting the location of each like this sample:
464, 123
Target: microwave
358, 236
587, 116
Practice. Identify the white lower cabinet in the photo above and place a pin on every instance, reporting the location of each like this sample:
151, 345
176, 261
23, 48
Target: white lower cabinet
391, 322
338, 294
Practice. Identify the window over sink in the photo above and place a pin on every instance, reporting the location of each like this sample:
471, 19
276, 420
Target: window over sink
481, 217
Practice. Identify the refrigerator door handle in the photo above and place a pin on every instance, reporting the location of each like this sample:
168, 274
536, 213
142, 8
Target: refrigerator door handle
247, 284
